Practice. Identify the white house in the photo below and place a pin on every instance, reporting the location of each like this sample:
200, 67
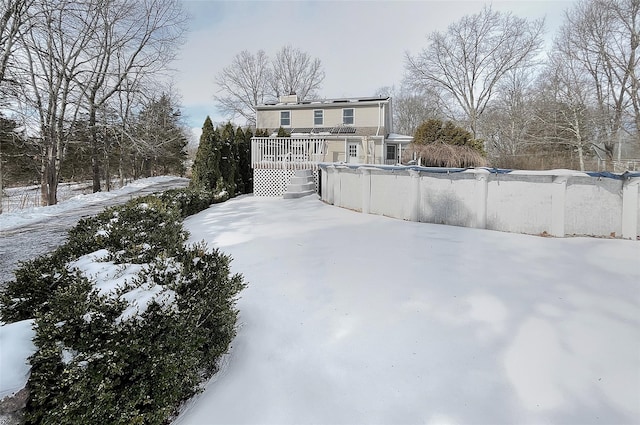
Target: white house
350, 130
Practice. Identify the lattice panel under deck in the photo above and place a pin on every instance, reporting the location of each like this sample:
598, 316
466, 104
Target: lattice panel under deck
273, 182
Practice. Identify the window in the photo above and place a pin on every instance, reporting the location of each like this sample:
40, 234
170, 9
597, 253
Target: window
318, 117
347, 116
285, 118
392, 152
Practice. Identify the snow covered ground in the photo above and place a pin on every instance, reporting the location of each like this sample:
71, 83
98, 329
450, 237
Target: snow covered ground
361, 319
20, 205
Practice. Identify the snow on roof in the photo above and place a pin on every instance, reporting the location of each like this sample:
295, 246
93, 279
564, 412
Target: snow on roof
399, 138
328, 101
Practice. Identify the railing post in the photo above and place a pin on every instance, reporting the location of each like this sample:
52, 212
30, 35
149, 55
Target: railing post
330, 183
366, 189
337, 199
630, 188
482, 189
414, 208
558, 200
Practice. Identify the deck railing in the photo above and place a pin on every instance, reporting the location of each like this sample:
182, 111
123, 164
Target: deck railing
287, 152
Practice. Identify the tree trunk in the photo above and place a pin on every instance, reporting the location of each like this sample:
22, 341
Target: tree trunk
1, 183
95, 152
581, 156
49, 186
107, 171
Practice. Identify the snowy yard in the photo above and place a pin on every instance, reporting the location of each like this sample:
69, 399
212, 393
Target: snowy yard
360, 319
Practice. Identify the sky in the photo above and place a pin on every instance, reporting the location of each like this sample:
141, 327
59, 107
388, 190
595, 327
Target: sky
361, 44
352, 318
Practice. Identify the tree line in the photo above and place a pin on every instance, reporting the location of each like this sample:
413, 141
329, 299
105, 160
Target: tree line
81, 84
579, 100
490, 74
222, 166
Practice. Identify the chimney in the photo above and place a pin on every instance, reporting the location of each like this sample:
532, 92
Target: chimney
291, 98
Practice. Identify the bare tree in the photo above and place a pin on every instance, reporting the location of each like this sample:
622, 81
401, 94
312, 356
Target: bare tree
78, 55
130, 37
563, 111
468, 61
53, 51
243, 85
411, 108
508, 119
12, 23
295, 71
604, 37
252, 79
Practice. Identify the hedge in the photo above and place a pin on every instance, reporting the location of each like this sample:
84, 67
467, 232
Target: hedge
102, 358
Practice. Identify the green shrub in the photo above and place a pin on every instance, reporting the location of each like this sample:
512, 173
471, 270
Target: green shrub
29, 294
208, 291
438, 131
102, 359
189, 201
136, 232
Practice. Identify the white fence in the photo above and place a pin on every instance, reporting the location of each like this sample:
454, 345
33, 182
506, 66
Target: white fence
287, 153
556, 203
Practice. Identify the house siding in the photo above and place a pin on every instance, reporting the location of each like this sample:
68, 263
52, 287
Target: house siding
368, 118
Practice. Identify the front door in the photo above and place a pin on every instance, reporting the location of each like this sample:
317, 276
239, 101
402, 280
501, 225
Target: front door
352, 152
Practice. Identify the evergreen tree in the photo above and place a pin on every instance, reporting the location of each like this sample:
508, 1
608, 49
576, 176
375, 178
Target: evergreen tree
438, 131
247, 171
443, 144
244, 161
161, 138
238, 146
206, 171
283, 133
18, 164
228, 159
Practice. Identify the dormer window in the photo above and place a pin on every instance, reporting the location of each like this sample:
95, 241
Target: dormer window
348, 116
318, 117
285, 118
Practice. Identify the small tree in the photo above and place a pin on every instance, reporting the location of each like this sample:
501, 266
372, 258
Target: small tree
443, 144
228, 159
160, 137
206, 171
243, 161
283, 133
435, 130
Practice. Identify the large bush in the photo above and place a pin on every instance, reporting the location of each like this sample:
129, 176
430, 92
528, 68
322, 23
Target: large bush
438, 131
190, 200
129, 320
137, 232
437, 143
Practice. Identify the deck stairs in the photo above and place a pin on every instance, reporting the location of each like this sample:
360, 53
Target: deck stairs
301, 184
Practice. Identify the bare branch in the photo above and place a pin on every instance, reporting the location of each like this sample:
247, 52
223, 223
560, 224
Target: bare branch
473, 56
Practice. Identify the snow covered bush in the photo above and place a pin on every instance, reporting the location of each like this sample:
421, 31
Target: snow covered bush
137, 232
129, 320
28, 295
190, 200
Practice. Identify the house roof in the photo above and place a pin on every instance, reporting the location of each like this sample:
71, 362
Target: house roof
317, 130
399, 138
324, 103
